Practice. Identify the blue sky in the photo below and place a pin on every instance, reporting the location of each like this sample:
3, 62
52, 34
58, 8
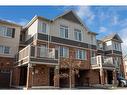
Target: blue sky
101, 19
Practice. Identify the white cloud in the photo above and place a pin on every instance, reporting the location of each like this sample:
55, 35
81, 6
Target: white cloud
20, 22
85, 12
115, 20
102, 29
8, 20
123, 22
123, 35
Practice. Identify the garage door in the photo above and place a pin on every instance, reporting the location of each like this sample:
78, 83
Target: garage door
4, 79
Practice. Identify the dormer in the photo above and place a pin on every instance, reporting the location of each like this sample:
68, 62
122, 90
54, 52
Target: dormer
112, 42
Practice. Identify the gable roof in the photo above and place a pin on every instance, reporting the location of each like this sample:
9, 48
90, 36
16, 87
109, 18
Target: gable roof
69, 15
72, 16
113, 36
9, 22
33, 20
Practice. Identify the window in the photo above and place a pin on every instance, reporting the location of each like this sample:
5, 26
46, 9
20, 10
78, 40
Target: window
7, 32
2, 30
92, 39
43, 51
4, 49
44, 26
64, 51
63, 31
108, 43
115, 46
78, 35
93, 53
99, 59
1, 49
81, 54
100, 46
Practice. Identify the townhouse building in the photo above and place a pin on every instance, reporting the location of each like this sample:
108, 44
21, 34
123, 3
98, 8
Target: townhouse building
63, 52
9, 44
109, 61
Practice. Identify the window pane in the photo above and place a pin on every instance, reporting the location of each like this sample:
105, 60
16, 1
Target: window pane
64, 51
44, 27
9, 32
61, 51
6, 50
66, 33
78, 35
1, 49
2, 30
83, 54
63, 31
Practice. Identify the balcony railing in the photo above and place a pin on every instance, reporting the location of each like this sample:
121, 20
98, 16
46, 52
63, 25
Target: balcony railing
37, 54
102, 61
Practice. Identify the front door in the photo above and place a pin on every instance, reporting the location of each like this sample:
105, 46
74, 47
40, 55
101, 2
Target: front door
51, 71
4, 79
109, 77
23, 76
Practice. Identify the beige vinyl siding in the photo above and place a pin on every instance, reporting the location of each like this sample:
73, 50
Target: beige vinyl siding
40, 30
55, 28
13, 43
32, 30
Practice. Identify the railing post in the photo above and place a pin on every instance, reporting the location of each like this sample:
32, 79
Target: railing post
29, 76
35, 51
56, 77
114, 78
102, 76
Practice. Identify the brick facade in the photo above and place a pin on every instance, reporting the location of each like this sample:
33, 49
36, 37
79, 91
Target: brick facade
6, 63
41, 75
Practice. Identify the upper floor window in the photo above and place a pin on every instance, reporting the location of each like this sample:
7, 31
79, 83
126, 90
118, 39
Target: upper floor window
64, 52
93, 53
44, 27
108, 43
4, 49
92, 39
78, 35
81, 54
115, 46
63, 31
100, 46
7, 32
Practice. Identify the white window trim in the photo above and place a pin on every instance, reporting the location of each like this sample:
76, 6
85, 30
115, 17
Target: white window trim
81, 36
60, 31
4, 35
85, 56
64, 51
4, 50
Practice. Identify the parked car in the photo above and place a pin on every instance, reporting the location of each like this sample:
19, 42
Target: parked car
122, 82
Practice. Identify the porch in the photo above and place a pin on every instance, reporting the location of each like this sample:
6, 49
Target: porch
37, 67
107, 69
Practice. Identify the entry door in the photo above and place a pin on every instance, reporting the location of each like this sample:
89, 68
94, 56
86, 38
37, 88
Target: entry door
109, 77
51, 76
23, 76
4, 79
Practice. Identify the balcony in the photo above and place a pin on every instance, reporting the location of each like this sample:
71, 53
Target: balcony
37, 55
102, 62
